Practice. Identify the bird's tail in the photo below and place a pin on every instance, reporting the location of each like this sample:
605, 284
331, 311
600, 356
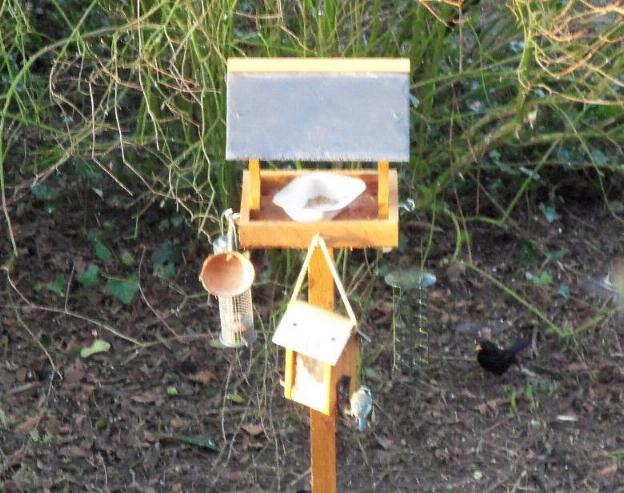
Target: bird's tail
519, 345
361, 425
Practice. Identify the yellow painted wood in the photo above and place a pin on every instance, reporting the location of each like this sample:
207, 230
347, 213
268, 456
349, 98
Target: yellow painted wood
254, 175
245, 200
383, 168
289, 373
323, 447
347, 366
319, 65
265, 229
322, 426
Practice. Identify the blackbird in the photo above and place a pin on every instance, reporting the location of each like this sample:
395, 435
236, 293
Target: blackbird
495, 359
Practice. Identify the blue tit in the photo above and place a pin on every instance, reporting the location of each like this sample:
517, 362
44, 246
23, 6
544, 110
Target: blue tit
361, 406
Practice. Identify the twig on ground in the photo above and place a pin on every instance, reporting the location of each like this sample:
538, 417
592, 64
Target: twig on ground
149, 305
29, 305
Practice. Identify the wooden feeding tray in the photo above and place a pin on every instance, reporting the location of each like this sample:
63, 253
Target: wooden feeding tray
371, 220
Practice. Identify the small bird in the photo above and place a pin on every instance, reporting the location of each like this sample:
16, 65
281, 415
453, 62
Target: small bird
495, 359
361, 406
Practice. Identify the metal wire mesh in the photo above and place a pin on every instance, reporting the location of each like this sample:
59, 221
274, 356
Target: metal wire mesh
410, 322
237, 325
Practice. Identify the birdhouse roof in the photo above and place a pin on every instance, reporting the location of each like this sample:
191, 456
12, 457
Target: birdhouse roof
313, 331
318, 109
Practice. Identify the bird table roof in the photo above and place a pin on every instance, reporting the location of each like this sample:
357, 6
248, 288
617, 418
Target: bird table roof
313, 332
318, 109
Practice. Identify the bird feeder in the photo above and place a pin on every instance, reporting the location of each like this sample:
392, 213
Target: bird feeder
228, 275
319, 342
318, 109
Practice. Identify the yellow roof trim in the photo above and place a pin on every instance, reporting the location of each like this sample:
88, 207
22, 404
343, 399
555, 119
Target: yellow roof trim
319, 65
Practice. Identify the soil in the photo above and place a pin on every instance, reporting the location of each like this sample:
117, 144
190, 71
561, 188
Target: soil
174, 412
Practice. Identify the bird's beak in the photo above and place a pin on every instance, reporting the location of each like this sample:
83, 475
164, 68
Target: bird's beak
477, 347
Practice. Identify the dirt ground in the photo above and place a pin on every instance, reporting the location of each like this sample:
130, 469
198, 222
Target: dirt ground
170, 412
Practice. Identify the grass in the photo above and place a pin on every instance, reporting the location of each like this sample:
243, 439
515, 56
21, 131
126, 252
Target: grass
134, 93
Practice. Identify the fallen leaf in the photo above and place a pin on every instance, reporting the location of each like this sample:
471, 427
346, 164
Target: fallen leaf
608, 470
203, 376
253, 429
73, 452
147, 397
98, 346
30, 424
491, 405
232, 475
578, 367
386, 443
178, 422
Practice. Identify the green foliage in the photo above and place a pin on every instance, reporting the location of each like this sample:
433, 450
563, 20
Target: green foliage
549, 212
542, 279
97, 346
528, 254
89, 277
197, 441
126, 258
134, 93
563, 290
123, 289
57, 285
45, 340
164, 259
100, 250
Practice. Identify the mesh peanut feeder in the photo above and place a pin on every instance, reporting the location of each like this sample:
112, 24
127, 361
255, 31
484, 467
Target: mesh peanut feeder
228, 275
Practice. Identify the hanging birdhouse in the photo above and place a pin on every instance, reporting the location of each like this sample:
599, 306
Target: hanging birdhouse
321, 348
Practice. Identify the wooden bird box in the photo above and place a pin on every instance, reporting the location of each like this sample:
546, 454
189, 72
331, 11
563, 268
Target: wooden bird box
321, 345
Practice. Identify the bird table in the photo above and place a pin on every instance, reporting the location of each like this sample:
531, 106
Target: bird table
319, 110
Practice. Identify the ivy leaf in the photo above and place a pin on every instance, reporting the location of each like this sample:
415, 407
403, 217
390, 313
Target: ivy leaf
101, 250
89, 277
123, 289
164, 259
126, 258
540, 280
197, 441
98, 346
549, 212
57, 285
556, 255
528, 254
177, 220
598, 157
235, 397
43, 194
563, 290
163, 225
45, 340
166, 252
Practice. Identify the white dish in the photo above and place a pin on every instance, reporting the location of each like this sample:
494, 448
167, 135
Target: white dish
318, 196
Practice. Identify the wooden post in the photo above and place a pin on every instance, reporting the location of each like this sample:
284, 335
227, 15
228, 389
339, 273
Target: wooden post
322, 427
254, 175
383, 168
